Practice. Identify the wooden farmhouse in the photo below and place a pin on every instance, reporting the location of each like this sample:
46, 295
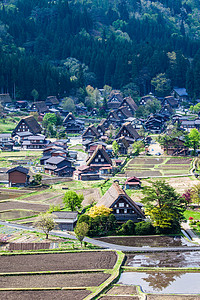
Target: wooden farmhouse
124, 113
72, 125
39, 107
52, 102
90, 133
101, 129
113, 119
27, 124
128, 132
99, 159
124, 208
114, 101
59, 166
130, 104
65, 220
18, 176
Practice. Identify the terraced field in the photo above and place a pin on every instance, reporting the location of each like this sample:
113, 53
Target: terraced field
157, 166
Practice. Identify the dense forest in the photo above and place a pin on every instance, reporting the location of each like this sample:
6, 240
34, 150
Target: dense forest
59, 47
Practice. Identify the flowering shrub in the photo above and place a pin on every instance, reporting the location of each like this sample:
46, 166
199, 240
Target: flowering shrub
191, 218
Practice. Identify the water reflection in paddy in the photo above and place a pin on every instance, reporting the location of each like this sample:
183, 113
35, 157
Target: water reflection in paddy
165, 259
165, 282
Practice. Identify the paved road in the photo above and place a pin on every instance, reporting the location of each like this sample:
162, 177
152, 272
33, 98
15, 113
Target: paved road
107, 245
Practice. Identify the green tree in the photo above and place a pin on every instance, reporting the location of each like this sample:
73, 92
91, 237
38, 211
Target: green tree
37, 179
68, 104
115, 147
81, 231
49, 119
138, 147
45, 222
195, 194
194, 139
195, 109
35, 94
163, 205
165, 140
162, 84
72, 200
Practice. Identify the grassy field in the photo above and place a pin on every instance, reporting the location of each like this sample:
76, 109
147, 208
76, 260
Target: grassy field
194, 214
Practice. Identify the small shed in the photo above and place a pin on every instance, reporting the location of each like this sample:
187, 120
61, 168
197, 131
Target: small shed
65, 220
133, 183
18, 176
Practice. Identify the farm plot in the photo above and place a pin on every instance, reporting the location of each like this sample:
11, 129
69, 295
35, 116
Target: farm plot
17, 214
9, 205
59, 261
53, 280
45, 294
42, 196
149, 167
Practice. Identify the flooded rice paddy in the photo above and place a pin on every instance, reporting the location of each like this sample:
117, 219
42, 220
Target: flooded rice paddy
165, 260
163, 282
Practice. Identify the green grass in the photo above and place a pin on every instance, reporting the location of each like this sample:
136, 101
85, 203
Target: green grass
194, 214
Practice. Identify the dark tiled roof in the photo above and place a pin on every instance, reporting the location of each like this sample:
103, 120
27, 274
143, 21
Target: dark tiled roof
54, 160
19, 169
125, 112
65, 214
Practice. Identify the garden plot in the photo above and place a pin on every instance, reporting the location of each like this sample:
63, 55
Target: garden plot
45, 294
59, 261
9, 205
149, 167
42, 196
183, 183
17, 214
53, 280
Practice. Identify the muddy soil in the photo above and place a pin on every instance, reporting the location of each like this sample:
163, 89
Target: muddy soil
59, 261
44, 295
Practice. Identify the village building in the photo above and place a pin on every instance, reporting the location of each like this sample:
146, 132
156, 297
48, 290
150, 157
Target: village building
52, 102
123, 145
40, 107
113, 119
94, 112
124, 208
114, 101
65, 220
38, 141
101, 129
18, 176
90, 133
21, 104
72, 125
133, 183
177, 147
59, 166
6, 143
171, 101
180, 94
128, 132
124, 113
145, 99
5, 99
155, 123
29, 124
99, 159
86, 173
130, 104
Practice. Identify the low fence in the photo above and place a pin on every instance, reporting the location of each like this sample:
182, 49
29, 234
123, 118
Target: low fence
28, 246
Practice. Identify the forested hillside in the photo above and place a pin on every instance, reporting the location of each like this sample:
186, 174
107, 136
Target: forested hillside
58, 47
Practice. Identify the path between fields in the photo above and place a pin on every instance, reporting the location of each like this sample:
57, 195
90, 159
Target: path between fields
104, 244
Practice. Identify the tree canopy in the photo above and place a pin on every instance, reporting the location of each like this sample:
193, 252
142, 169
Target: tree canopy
72, 200
163, 205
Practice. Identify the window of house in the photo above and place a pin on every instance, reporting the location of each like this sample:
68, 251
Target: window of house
127, 205
125, 211
117, 211
99, 156
115, 205
96, 160
102, 160
121, 204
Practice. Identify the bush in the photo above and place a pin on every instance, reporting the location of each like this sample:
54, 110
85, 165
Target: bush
127, 228
144, 228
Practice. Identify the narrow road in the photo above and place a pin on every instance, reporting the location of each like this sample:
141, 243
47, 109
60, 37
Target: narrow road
107, 245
